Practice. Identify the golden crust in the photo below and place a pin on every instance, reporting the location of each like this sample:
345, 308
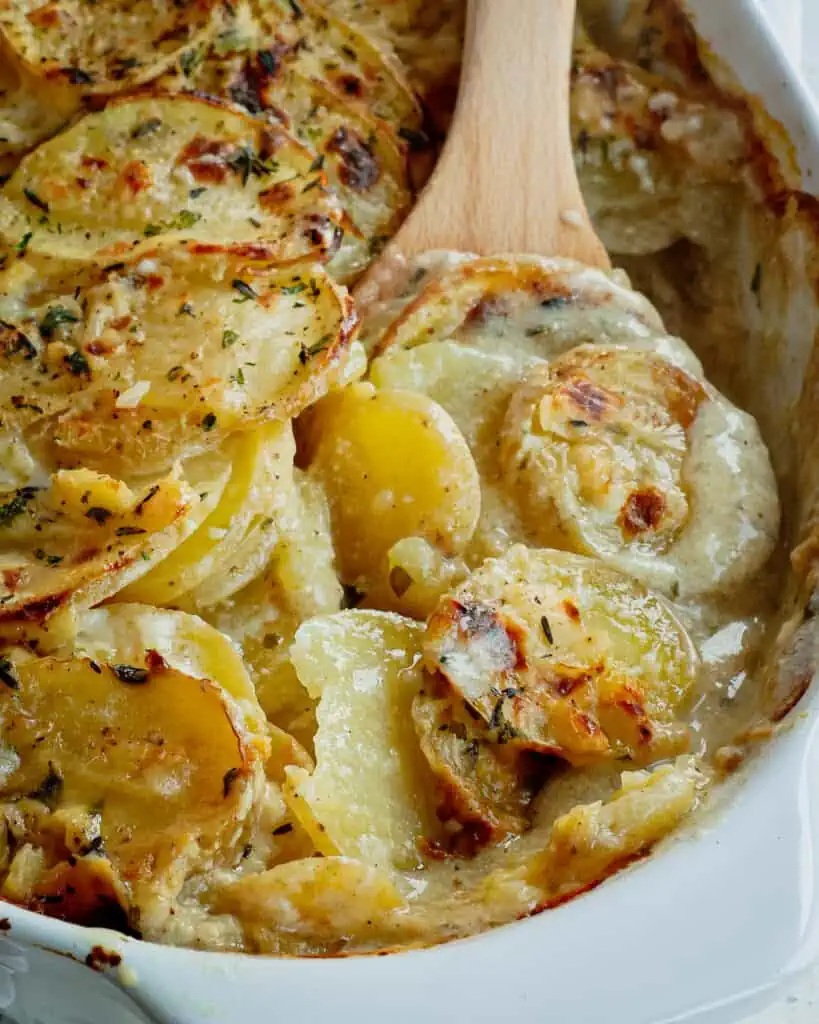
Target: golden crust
159, 169
561, 656
67, 42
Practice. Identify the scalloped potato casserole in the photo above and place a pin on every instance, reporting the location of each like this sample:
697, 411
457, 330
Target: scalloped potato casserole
335, 624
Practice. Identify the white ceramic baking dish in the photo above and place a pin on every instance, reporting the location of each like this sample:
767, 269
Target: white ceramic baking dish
709, 929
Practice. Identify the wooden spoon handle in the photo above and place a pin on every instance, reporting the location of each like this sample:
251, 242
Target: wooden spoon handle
506, 179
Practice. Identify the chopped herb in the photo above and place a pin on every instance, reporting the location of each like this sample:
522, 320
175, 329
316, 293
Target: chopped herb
76, 76
130, 674
183, 220
98, 514
196, 192
151, 494
282, 830
295, 7
229, 338
318, 163
294, 289
35, 200
190, 60
95, 667
7, 676
22, 245
48, 559
186, 309
239, 377
11, 509
54, 318
129, 531
756, 280
578, 423
153, 124
244, 289
547, 629
230, 776
245, 161
50, 789
313, 350
77, 364
209, 421
267, 59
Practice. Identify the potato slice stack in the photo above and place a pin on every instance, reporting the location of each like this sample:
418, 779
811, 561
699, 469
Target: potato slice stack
302, 67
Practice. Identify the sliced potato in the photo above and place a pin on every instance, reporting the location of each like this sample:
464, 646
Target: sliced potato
368, 794
427, 37
614, 453
484, 789
560, 655
254, 65
82, 538
473, 386
233, 543
348, 60
654, 163
592, 841
394, 465
300, 582
165, 759
162, 358
364, 164
418, 575
525, 304
73, 42
187, 644
309, 905
265, 41
29, 113
156, 169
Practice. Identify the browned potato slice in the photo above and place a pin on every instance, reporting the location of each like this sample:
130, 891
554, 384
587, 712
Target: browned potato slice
524, 304
167, 168
264, 41
162, 358
256, 66
427, 37
163, 758
74, 543
368, 794
484, 788
394, 465
560, 655
70, 41
616, 453
309, 905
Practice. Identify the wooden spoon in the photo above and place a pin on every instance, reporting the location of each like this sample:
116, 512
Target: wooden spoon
506, 180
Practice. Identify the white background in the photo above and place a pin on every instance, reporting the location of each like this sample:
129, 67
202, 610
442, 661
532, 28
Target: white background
797, 24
